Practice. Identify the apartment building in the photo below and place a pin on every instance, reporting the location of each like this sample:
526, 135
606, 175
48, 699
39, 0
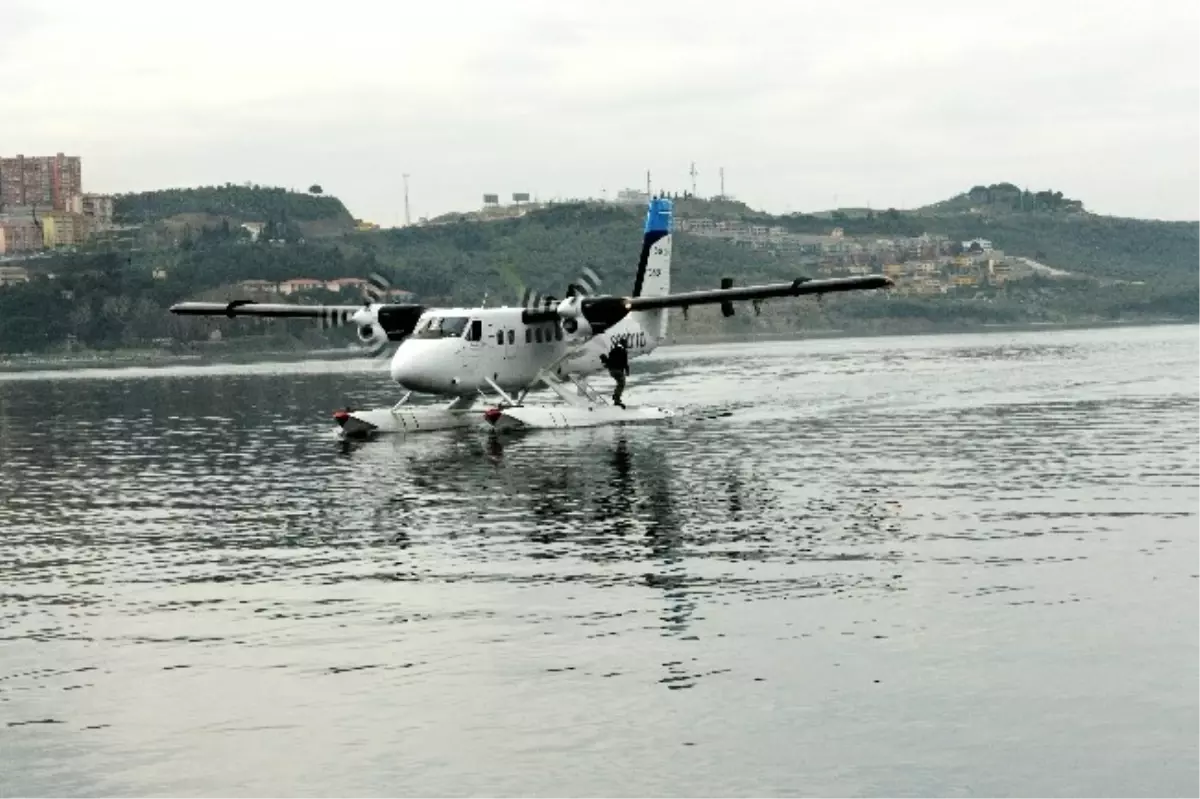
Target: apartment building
63, 229
43, 181
19, 234
98, 208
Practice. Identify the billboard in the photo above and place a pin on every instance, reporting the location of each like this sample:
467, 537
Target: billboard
491, 199
520, 196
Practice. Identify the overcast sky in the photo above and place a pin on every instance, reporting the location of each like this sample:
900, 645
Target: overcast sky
803, 103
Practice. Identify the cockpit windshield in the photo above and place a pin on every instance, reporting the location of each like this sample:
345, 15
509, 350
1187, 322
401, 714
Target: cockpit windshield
441, 327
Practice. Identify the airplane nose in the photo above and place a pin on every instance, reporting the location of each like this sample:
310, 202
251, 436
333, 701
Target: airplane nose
401, 367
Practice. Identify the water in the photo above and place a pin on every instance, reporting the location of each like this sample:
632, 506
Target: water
900, 566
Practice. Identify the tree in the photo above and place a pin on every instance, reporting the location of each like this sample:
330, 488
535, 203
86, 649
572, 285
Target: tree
315, 189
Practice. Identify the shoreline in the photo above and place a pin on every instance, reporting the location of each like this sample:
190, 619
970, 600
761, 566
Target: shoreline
150, 358
144, 359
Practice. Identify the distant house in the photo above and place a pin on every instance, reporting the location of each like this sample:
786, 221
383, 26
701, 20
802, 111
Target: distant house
254, 229
344, 283
11, 275
259, 286
300, 284
978, 245
632, 197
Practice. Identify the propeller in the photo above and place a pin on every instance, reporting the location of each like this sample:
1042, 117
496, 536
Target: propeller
370, 333
586, 284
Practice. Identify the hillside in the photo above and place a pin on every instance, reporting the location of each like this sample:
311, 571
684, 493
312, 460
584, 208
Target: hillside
312, 214
546, 249
117, 294
999, 198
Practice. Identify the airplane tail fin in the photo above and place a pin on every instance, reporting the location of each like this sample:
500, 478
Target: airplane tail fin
654, 264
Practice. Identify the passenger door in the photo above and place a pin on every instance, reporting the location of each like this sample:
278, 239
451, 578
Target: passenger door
473, 336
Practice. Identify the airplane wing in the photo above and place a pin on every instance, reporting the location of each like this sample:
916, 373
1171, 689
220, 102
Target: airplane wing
252, 308
376, 323
795, 288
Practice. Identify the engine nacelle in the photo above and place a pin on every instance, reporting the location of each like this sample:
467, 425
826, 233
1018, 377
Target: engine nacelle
572, 319
391, 322
577, 328
584, 317
366, 321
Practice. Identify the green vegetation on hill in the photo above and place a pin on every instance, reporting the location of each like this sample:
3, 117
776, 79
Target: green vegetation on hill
112, 298
1002, 197
544, 250
237, 203
1099, 246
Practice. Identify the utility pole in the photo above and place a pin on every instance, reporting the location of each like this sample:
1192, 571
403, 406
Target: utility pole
648, 183
407, 217
722, 173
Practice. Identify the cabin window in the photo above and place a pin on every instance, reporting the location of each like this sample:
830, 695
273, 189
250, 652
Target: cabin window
476, 333
511, 337
528, 336
537, 335
453, 326
442, 327
500, 337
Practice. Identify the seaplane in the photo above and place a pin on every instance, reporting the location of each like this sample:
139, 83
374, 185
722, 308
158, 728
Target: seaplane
498, 355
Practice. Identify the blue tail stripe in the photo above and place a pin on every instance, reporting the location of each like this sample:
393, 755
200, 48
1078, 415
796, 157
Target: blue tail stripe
658, 218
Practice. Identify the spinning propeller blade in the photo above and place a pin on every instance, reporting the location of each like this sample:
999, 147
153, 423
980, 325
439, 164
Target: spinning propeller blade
586, 284
376, 289
372, 335
333, 317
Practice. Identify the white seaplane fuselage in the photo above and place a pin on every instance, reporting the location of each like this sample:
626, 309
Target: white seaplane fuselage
463, 351
468, 353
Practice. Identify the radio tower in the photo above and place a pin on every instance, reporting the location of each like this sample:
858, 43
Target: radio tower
648, 184
722, 173
407, 218
692, 172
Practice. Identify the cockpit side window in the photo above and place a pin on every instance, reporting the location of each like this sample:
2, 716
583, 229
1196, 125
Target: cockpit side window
442, 327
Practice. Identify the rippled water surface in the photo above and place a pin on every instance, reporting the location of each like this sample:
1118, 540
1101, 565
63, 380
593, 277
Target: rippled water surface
898, 566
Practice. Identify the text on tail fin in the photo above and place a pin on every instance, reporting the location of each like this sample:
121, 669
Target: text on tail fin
654, 262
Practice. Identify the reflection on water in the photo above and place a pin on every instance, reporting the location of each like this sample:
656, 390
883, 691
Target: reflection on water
902, 566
